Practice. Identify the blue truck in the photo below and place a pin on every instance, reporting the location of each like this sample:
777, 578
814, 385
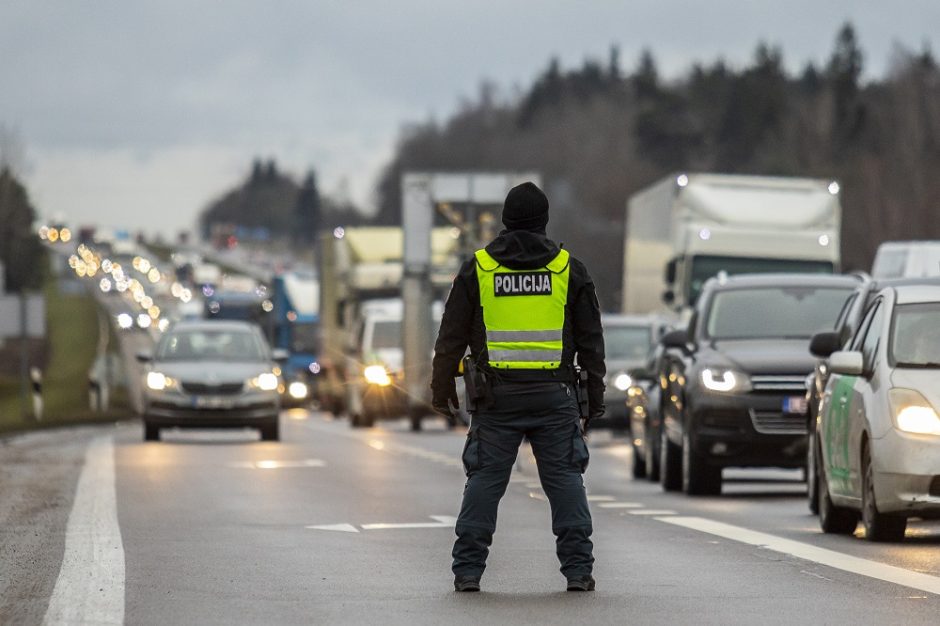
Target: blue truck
294, 325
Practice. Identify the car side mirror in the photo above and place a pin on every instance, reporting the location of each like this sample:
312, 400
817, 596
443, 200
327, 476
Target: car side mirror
144, 356
280, 354
848, 363
822, 345
676, 339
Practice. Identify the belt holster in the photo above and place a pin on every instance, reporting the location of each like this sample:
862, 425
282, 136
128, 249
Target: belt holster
580, 390
476, 384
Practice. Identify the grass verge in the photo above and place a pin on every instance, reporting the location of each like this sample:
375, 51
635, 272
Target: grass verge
72, 327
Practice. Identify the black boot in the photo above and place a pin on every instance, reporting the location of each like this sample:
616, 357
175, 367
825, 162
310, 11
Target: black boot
581, 583
466, 583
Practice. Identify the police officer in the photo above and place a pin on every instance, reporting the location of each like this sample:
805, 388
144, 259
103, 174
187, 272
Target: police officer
526, 309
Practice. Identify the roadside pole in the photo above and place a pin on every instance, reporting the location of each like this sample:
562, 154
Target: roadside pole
24, 357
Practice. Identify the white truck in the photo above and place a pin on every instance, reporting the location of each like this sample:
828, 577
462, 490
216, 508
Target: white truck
361, 316
907, 259
687, 228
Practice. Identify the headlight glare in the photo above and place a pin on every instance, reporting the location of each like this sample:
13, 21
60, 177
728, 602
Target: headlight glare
265, 382
913, 413
623, 381
157, 381
725, 380
297, 390
377, 375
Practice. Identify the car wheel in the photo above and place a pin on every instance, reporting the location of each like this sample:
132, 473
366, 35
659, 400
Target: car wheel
834, 520
878, 526
355, 420
698, 478
151, 432
639, 463
812, 475
670, 464
271, 430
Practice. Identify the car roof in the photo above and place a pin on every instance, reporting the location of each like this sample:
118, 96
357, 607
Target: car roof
914, 294
739, 281
214, 325
881, 283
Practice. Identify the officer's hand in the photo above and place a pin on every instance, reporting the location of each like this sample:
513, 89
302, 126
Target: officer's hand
446, 406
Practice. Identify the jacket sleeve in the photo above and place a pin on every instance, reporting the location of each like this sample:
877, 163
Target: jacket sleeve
589, 339
452, 339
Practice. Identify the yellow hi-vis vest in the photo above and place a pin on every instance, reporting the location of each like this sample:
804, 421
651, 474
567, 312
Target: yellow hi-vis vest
523, 312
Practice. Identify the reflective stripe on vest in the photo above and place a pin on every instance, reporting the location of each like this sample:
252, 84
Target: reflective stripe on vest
523, 312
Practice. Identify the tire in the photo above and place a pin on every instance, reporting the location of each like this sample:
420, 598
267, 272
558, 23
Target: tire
652, 461
698, 477
878, 526
670, 464
639, 464
151, 432
271, 430
834, 520
812, 475
355, 420
415, 424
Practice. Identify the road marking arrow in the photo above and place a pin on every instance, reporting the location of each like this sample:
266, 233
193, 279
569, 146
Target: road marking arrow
343, 528
442, 521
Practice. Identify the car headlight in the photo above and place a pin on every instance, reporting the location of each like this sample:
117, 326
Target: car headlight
913, 413
377, 375
623, 381
157, 381
723, 380
265, 381
297, 390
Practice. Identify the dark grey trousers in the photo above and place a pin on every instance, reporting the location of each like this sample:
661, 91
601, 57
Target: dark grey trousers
547, 415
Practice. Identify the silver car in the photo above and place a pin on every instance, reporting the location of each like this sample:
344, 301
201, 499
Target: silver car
878, 430
211, 374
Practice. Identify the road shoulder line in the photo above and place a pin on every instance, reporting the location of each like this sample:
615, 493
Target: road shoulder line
805, 551
90, 586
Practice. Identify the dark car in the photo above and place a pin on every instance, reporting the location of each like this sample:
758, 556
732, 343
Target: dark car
212, 374
734, 391
824, 344
644, 401
627, 342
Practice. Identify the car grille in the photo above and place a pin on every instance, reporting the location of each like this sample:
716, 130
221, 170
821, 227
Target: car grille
221, 389
776, 423
780, 384
730, 420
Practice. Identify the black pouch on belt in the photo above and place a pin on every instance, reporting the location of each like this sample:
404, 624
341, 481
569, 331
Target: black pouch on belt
475, 383
581, 391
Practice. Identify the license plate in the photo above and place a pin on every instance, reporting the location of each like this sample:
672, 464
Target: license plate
211, 402
795, 404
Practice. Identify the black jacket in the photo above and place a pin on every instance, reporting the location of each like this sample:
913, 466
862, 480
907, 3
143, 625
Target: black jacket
462, 324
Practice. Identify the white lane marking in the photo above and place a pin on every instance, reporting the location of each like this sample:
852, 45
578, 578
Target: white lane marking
823, 556
620, 505
345, 528
653, 512
273, 464
443, 521
535, 495
533, 485
90, 587
601, 498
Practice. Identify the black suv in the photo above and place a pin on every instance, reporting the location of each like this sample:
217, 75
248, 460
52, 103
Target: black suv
735, 380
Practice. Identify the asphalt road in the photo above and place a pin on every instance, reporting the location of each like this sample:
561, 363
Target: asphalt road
334, 525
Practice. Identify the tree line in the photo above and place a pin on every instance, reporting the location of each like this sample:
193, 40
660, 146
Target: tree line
597, 134
20, 251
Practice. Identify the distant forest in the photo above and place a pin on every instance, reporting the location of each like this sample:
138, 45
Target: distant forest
597, 134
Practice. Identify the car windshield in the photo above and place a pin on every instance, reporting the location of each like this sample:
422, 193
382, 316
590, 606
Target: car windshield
705, 267
915, 335
627, 342
386, 335
774, 312
211, 345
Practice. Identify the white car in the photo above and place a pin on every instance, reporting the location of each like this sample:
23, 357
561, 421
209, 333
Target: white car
878, 431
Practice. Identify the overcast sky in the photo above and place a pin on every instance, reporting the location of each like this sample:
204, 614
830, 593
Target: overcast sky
136, 114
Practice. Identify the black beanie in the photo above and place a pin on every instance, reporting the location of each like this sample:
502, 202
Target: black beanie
526, 208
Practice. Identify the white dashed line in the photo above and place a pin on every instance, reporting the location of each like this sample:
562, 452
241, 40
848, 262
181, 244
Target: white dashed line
621, 505
601, 498
653, 512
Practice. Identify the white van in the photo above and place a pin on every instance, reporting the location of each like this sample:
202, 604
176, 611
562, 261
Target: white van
907, 259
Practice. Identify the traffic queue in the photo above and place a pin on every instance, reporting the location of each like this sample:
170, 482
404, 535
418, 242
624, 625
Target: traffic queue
835, 375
